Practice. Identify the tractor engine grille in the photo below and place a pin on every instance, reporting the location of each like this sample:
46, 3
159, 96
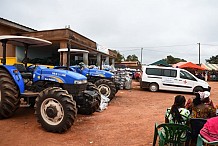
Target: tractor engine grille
75, 89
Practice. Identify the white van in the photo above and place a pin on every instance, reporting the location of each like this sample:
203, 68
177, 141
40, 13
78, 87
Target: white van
174, 79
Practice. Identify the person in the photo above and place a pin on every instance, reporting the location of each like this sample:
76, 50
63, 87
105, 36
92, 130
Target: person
177, 113
205, 96
210, 130
202, 106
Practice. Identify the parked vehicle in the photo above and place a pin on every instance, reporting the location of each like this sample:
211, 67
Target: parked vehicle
104, 80
57, 94
173, 79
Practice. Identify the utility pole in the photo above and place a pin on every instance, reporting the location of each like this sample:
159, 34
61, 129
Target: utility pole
141, 55
199, 46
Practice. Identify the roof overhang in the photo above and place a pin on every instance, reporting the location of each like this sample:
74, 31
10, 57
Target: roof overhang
73, 50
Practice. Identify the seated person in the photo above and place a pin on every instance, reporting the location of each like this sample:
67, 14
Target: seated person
210, 130
205, 97
200, 107
177, 113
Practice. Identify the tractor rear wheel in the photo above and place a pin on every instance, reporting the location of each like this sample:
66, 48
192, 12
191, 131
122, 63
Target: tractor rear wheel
9, 95
55, 109
106, 88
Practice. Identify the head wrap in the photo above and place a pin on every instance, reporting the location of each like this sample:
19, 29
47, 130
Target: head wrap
204, 94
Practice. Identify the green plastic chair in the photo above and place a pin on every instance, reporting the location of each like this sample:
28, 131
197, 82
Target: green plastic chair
172, 134
201, 141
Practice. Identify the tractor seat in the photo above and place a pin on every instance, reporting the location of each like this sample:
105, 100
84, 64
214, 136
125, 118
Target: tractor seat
24, 73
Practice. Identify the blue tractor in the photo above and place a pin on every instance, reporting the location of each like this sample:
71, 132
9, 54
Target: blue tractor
104, 80
58, 94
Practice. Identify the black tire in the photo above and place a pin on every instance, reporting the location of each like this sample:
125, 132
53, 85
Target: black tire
93, 87
55, 109
104, 84
9, 95
153, 87
96, 96
197, 89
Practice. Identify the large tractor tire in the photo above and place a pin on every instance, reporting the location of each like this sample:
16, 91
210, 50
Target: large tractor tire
106, 88
55, 109
9, 95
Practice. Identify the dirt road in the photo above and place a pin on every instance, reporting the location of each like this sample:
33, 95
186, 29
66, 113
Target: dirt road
129, 120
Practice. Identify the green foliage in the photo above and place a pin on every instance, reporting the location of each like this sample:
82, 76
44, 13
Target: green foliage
132, 58
171, 60
120, 57
213, 60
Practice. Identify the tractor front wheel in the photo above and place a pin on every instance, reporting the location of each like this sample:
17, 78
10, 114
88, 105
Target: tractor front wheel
106, 88
9, 95
55, 109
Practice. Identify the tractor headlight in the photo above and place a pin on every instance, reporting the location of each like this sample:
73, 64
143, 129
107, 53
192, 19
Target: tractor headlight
80, 81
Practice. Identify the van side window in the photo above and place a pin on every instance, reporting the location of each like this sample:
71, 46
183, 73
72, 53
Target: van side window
153, 71
186, 75
169, 73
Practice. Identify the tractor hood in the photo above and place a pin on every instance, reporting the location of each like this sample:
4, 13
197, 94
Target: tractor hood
57, 75
100, 73
92, 72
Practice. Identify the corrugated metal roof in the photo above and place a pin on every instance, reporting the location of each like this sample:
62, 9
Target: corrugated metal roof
210, 66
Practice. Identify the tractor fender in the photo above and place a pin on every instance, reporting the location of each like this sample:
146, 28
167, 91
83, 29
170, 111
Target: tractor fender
15, 74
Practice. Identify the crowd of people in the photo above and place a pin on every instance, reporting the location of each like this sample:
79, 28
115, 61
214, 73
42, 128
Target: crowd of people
199, 106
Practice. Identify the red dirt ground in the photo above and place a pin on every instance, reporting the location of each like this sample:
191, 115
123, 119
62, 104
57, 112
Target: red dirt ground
128, 120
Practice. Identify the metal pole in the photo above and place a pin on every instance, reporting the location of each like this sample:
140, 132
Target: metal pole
26, 53
68, 54
199, 62
141, 55
4, 52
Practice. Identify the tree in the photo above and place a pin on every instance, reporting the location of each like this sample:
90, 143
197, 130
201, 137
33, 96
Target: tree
213, 60
132, 58
120, 57
171, 60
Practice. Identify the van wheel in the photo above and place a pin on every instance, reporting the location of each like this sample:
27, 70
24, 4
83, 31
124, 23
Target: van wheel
197, 89
153, 87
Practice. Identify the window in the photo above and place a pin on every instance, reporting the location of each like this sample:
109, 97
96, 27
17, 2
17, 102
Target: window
169, 73
161, 72
186, 75
153, 71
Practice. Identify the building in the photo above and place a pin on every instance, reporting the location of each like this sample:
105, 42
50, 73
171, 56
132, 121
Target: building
128, 64
94, 54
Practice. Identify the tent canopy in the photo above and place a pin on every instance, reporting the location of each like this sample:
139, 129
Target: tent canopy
208, 66
189, 65
161, 63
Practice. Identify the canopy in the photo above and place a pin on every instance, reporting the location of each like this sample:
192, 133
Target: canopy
161, 63
72, 50
23, 40
208, 66
189, 65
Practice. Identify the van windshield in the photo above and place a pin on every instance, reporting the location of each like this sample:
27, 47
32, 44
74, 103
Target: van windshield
186, 75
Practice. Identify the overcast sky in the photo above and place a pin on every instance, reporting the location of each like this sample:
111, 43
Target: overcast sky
160, 27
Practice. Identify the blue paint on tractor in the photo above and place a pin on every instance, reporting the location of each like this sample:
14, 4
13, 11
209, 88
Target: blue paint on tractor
56, 75
15, 74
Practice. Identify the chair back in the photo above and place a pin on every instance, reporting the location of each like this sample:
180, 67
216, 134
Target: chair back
196, 125
175, 134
